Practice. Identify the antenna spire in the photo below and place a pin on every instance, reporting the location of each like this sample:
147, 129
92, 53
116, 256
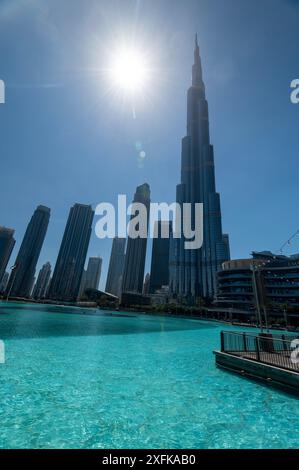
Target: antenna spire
196, 69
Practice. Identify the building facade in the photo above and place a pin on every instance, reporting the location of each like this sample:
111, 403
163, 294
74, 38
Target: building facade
194, 270
42, 283
22, 276
160, 256
136, 248
146, 284
91, 277
275, 281
7, 242
116, 266
65, 283
4, 282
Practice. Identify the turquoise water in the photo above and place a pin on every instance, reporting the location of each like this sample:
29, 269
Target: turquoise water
128, 381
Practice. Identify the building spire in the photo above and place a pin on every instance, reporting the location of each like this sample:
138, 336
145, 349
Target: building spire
196, 51
196, 69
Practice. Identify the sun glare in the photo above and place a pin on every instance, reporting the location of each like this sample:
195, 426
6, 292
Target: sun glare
129, 71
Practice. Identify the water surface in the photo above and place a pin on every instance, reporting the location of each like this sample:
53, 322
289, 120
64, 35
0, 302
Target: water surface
76, 380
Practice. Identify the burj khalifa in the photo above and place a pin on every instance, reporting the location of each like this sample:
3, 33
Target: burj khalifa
193, 271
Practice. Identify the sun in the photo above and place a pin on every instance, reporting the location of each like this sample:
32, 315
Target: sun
129, 71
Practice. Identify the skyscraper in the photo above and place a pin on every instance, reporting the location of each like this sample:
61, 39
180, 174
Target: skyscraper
7, 242
91, 277
146, 284
225, 238
3, 282
31, 287
116, 266
195, 269
22, 276
136, 248
69, 266
160, 257
82, 284
42, 283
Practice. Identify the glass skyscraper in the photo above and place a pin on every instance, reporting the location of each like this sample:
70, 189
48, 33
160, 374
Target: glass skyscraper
136, 249
3, 282
116, 266
160, 257
22, 275
7, 242
42, 283
65, 283
93, 273
194, 270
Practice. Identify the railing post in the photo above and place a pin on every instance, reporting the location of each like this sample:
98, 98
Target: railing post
244, 342
222, 341
257, 349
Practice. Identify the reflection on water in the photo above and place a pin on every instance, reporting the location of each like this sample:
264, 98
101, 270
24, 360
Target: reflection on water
37, 320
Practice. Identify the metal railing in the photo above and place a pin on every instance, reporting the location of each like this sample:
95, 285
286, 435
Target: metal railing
275, 350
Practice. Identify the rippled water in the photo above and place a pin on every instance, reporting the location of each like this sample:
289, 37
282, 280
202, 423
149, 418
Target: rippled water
128, 381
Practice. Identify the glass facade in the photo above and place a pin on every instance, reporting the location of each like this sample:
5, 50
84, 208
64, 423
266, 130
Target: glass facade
193, 272
160, 258
22, 276
136, 249
277, 279
116, 266
7, 242
67, 275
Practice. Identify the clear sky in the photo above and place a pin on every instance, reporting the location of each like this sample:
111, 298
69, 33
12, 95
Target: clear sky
66, 137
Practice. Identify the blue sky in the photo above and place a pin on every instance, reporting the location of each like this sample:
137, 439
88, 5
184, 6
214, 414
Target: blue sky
66, 138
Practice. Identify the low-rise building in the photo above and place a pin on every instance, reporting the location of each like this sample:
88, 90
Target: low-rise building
268, 279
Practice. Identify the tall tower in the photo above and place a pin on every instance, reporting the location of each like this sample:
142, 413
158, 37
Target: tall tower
22, 276
136, 249
93, 273
160, 257
116, 266
195, 270
69, 266
7, 242
3, 282
42, 283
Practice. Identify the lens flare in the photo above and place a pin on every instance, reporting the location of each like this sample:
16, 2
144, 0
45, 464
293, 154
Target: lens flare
129, 71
